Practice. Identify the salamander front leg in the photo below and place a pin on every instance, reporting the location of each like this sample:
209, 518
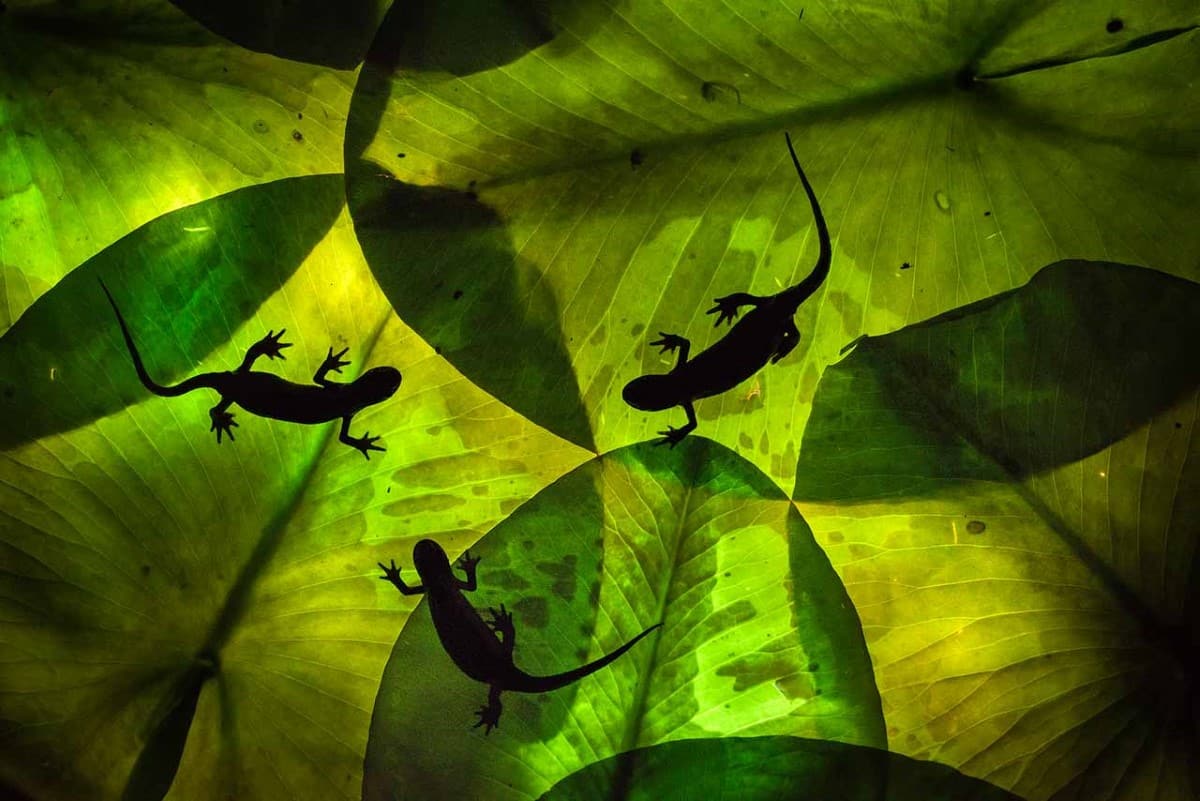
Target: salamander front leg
364, 443
670, 342
333, 361
268, 346
730, 305
673, 436
222, 419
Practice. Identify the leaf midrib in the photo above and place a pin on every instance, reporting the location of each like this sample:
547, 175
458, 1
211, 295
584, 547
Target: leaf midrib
238, 596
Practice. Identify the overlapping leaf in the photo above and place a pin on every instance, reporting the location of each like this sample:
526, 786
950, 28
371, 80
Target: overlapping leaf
112, 114
147, 568
768, 769
197, 273
632, 168
757, 638
310, 30
1010, 494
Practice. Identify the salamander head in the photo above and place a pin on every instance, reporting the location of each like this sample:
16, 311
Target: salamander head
652, 393
378, 383
429, 559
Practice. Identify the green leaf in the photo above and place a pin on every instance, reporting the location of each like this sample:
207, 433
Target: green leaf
758, 636
304, 30
196, 274
636, 169
1010, 493
768, 769
147, 568
112, 114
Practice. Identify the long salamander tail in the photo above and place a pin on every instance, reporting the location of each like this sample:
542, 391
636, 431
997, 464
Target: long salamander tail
148, 382
541, 684
825, 257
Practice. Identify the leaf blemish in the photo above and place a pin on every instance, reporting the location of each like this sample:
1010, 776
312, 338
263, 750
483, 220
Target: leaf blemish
534, 611
976, 527
1114, 25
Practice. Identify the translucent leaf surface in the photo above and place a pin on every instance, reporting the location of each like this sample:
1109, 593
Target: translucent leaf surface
633, 168
757, 638
768, 769
1010, 494
114, 113
146, 567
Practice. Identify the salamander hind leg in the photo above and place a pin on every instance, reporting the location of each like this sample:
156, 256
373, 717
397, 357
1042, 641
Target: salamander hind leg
489, 713
673, 436
364, 443
222, 420
502, 624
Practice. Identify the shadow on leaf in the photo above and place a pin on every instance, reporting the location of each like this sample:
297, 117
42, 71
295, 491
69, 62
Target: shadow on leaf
334, 34
444, 260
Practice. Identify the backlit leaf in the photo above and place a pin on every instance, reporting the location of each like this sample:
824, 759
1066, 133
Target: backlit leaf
757, 636
1010, 492
114, 113
147, 568
634, 168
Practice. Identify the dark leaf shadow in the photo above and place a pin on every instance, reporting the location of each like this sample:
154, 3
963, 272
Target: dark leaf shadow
186, 280
459, 38
157, 764
315, 31
1028, 380
445, 261
769, 769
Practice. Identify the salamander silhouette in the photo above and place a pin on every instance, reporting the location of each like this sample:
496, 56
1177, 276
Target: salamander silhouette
268, 395
482, 650
766, 334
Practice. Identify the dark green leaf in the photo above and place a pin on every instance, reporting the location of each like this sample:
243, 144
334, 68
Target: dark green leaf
1011, 386
185, 282
768, 769
336, 34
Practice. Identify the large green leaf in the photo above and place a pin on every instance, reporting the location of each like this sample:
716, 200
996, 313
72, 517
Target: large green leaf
1010, 493
114, 113
634, 167
758, 636
768, 769
148, 569
196, 273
